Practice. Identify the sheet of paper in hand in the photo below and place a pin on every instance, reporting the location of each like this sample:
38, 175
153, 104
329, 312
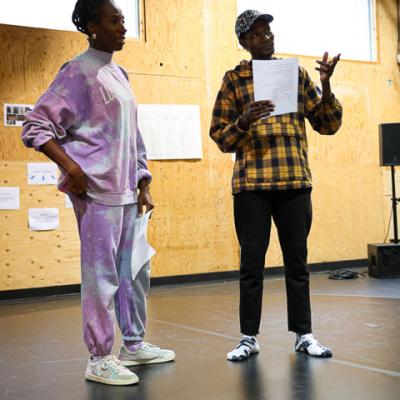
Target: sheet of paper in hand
277, 80
141, 250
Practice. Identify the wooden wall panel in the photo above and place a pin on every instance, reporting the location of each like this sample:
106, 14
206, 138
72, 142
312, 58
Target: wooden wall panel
188, 227
350, 209
32, 259
189, 46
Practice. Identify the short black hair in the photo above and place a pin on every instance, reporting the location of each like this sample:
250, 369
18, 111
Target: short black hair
86, 11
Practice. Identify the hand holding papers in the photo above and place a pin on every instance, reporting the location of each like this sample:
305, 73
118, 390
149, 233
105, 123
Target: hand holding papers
141, 250
277, 80
255, 110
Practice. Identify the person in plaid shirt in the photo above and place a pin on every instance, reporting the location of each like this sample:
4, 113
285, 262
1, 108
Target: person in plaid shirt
272, 180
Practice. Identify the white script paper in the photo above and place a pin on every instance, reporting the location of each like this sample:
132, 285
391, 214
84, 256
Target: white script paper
9, 198
171, 131
42, 173
43, 219
277, 80
141, 251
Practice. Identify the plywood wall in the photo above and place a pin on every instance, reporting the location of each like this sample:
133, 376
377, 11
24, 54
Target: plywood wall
189, 45
349, 208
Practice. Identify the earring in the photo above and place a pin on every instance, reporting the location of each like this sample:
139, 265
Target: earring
94, 36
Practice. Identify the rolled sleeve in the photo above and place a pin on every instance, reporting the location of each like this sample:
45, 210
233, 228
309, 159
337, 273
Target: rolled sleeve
225, 130
50, 119
325, 116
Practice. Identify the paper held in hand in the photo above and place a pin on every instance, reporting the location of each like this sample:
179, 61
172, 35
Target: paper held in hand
141, 250
277, 80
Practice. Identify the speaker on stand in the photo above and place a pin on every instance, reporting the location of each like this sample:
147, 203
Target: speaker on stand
384, 259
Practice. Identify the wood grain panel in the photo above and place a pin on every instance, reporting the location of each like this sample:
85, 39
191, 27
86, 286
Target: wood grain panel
189, 46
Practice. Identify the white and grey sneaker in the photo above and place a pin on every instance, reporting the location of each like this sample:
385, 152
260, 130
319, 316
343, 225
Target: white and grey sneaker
309, 345
147, 354
246, 347
108, 370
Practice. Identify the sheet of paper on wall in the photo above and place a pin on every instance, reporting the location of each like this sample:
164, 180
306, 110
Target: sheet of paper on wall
43, 219
68, 202
171, 131
9, 198
42, 173
141, 250
277, 80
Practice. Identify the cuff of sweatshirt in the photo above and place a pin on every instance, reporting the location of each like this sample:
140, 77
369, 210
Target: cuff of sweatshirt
329, 100
38, 142
144, 174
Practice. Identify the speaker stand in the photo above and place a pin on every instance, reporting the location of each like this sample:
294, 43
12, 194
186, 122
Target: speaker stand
394, 206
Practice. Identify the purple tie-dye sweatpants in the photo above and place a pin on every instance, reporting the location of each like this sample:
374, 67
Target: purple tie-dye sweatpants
106, 234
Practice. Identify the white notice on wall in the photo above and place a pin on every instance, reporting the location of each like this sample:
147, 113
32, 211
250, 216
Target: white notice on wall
277, 80
42, 173
68, 202
43, 219
9, 198
171, 131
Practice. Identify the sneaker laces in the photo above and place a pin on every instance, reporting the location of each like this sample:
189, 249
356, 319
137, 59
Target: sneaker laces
310, 340
247, 343
111, 362
149, 345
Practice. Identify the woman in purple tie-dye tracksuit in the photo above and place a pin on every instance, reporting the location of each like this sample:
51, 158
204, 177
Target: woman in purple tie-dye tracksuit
87, 123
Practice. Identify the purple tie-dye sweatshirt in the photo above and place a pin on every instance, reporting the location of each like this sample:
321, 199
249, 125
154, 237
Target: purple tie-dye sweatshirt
91, 111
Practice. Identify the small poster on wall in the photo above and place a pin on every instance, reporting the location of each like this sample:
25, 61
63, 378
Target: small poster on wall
171, 131
9, 198
14, 114
42, 173
43, 219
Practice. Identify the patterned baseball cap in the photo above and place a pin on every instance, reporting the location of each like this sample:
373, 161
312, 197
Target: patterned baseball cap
247, 18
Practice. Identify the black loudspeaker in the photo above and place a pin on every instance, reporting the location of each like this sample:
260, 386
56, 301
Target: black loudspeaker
384, 260
389, 144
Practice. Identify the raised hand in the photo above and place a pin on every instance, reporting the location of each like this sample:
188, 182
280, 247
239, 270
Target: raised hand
326, 67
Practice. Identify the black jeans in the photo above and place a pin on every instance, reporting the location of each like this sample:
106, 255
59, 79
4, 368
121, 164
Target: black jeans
292, 214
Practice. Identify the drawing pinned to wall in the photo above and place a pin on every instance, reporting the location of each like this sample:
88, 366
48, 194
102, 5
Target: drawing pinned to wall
42, 173
9, 198
14, 114
171, 131
43, 219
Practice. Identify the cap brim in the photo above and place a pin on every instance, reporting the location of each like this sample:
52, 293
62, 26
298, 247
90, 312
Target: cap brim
265, 17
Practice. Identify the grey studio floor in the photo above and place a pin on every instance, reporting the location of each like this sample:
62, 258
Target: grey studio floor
43, 358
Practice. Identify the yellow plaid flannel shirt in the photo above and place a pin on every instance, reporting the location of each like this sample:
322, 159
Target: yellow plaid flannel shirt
272, 154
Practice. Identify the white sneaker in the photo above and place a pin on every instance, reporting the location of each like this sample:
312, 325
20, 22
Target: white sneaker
147, 354
309, 345
108, 370
246, 347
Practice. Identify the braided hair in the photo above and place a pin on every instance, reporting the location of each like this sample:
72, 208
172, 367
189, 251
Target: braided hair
86, 11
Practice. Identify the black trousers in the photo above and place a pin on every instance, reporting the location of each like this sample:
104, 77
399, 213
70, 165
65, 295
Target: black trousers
292, 214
